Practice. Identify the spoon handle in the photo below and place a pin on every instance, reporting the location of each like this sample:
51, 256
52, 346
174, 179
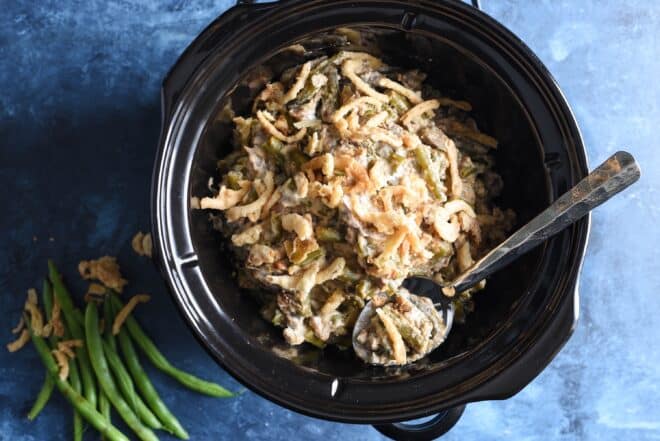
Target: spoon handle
608, 179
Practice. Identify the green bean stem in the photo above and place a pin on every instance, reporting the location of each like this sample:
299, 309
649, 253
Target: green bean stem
72, 320
100, 365
146, 387
128, 389
83, 406
157, 358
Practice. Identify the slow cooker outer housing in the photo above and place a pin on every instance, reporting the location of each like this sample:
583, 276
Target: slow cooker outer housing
550, 157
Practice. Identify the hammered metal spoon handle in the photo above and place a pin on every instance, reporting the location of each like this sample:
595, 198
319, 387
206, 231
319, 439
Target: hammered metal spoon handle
615, 174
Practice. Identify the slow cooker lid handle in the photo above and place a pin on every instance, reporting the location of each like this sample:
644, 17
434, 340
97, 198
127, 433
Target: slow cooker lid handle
437, 426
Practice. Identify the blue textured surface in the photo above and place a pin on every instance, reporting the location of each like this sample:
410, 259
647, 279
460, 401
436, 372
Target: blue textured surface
79, 121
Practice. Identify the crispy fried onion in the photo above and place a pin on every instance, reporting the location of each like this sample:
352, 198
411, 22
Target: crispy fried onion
21, 341
226, 197
123, 314
56, 319
394, 336
444, 221
264, 117
313, 275
350, 70
413, 97
63, 353
416, 112
325, 162
299, 84
356, 104
142, 244
253, 210
248, 236
36, 317
105, 270
301, 225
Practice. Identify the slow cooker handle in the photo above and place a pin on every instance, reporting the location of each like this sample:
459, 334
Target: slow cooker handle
428, 430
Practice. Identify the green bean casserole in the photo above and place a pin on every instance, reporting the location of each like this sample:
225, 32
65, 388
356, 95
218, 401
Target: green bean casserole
348, 176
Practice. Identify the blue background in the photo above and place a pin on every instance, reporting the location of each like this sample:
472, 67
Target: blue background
79, 122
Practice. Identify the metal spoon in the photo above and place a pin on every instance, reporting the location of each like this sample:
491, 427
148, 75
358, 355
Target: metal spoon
612, 176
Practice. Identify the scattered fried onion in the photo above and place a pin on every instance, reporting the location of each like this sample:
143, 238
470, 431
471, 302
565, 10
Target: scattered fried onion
56, 319
66, 347
95, 293
19, 342
142, 244
19, 327
36, 317
126, 310
62, 362
105, 270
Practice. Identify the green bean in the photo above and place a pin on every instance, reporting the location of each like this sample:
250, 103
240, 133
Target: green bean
126, 386
273, 148
410, 333
42, 397
146, 387
327, 234
399, 102
396, 160
157, 358
108, 318
100, 365
123, 380
298, 158
312, 256
426, 166
104, 405
48, 385
74, 323
83, 406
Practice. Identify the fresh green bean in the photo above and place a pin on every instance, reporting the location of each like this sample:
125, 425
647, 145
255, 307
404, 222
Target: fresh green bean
123, 380
74, 374
104, 405
146, 387
72, 320
100, 365
108, 318
78, 401
42, 397
126, 386
47, 387
157, 358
